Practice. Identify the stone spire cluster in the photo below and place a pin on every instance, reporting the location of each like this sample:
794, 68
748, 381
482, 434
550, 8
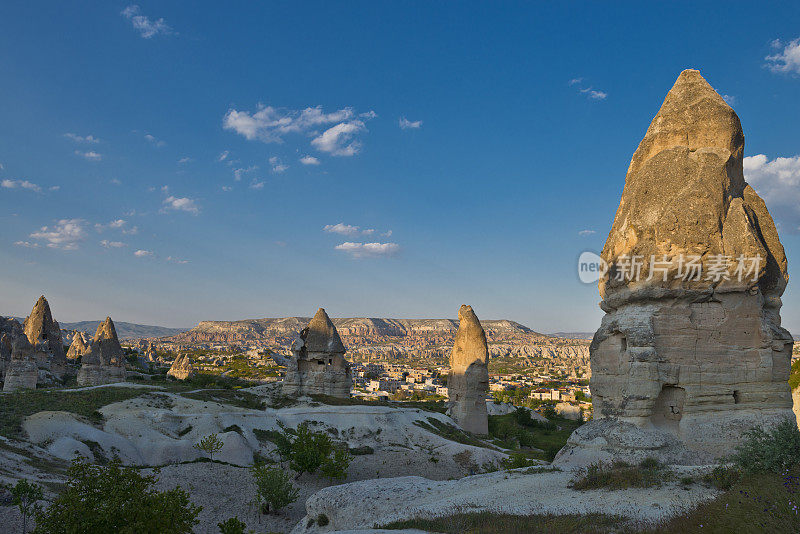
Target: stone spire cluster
44, 335
691, 352
104, 360
469, 376
318, 366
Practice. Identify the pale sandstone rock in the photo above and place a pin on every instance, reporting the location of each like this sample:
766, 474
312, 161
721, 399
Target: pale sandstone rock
318, 366
44, 335
682, 368
22, 372
104, 360
181, 368
78, 346
469, 376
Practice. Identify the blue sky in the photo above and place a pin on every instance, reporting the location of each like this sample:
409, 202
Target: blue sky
166, 162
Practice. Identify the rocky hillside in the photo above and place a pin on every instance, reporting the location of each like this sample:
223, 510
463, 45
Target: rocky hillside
124, 330
367, 337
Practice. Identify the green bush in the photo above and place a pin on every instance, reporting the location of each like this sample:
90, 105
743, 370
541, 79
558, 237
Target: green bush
769, 451
309, 452
516, 460
232, 526
117, 499
621, 475
274, 489
723, 477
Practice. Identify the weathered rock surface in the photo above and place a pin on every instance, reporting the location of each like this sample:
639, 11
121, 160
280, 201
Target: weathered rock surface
682, 363
181, 368
44, 335
318, 366
104, 360
22, 371
78, 346
469, 377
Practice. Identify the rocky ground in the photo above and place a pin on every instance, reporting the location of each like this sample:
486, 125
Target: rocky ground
412, 471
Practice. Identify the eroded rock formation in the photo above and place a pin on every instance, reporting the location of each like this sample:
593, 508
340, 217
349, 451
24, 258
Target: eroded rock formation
44, 335
469, 375
104, 361
22, 371
78, 346
181, 368
317, 365
690, 353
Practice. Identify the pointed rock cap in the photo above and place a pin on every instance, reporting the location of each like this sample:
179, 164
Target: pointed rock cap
693, 115
322, 335
40, 321
685, 197
106, 330
470, 343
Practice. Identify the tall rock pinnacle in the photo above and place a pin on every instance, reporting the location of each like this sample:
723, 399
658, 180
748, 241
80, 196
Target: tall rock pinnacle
690, 354
469, 376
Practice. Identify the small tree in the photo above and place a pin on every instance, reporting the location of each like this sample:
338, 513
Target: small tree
274, 488
210, 444
309, 451
25, 497
114, 498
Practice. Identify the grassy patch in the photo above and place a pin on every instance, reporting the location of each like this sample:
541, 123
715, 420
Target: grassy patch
361, 451
451, 432
537, 439
764, 502
232, 397
15, 407
233, 428
267, 436
185, 431
621, 475
493, 523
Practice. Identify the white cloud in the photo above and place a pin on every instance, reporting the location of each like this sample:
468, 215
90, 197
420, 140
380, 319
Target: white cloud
90, 155
22, 184
185, 159
269, 124
255, 184
339, 140
82, 138
156, 142
787, 60
226, 188
239, 173
369, 250
181, 204
142, 253
387, 233
116, 224
26, 244
277, 166
66, 234
730, 100
115, 181
594, 95
778, 183
54, 188
342, 229
111, 244
584, 233
173, 259
146, 27
309, 160
223, 155
406, 124
590, 92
